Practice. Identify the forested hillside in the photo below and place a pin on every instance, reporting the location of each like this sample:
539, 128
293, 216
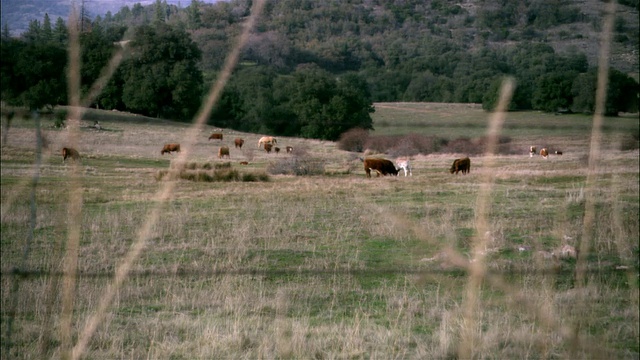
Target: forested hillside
313, 68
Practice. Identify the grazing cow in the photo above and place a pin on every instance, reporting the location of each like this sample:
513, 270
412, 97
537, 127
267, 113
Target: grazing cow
267, 148
381, 166
70, 152
532, 151
169, 148
289, 149
267, 140
405, 165
215, 136
244, 163
463, 165
223, 151
238, 143
277, 150
558, 152
544, 153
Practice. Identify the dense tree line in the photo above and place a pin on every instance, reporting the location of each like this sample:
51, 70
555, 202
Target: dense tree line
312, 68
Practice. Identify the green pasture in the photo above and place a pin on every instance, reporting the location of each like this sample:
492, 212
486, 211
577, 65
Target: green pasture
328, 266
455, 120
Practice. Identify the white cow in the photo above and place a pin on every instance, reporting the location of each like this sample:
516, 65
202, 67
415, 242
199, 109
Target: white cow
405, 165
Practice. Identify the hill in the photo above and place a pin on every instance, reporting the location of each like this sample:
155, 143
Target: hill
349, 34
312, 65
16, 14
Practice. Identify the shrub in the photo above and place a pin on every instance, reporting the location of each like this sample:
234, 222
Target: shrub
381, 144
414, 144
189, 165
253, 177
224, 175
224, 165
353, 140
629, 142
461, 145
59, 121
502, 147
298, 166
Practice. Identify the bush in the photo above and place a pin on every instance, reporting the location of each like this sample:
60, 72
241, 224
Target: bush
414, 144
502, 147
224, 175
464, 145
353, 140
224, 165
189, 165
629, 142
298, 166
381, 144
253, 177
461, 145
407, 145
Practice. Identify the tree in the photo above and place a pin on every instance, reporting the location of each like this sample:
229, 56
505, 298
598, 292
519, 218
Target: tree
553, 91
193, 13
162, 78
6, 34
96, 51
47, 31
34, 31
325, 107
622, 93
31, 74
490, 99
159, 12
583, 91
60, 32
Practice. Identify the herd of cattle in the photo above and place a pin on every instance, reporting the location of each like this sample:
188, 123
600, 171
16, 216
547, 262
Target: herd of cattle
380, 166
267, 142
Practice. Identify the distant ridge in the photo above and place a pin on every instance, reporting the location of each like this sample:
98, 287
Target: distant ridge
18, 13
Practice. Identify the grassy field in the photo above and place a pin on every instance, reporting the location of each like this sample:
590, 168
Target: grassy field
330, 266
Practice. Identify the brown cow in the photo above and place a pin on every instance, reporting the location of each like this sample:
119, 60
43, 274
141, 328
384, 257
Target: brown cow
267, 148
381, 166
463, 165
215, 136
244, 163
223, 151
277, 150
169, 148
544, 153
532, 151
238, 143
70, 152
289, 149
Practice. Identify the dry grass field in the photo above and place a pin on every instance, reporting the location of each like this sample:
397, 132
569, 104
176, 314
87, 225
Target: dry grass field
332, 265
128, 253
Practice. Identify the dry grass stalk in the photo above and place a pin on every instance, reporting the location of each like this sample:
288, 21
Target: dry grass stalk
594, 159
75, 190
166, 189
477, 267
